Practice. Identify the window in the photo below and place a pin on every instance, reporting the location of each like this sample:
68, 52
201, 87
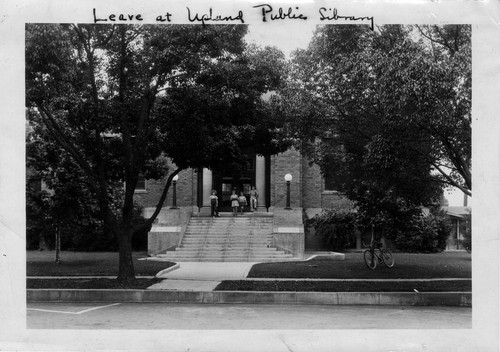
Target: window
141, 184
330, 181
250, 165
334, 172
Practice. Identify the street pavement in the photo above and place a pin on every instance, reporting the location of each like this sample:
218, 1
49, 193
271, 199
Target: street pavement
165, 316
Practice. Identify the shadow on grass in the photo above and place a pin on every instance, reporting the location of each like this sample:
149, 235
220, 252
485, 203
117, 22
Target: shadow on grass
41, 263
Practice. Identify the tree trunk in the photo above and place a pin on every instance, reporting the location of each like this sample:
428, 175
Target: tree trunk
42, 244
126, 273
58, 246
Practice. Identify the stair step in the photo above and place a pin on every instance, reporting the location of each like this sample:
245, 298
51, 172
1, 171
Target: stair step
224, 256
226, 228
229, 249
224, 245
264, 240
194, 258
257, 260
228, 235
223, 215
235, 222
222, 240
225, 232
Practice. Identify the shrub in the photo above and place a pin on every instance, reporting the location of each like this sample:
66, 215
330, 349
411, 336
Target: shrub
76, 216
337, 229
465, 230
38, 221
423, 234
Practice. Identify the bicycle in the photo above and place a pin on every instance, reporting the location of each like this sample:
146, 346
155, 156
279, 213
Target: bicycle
383, 256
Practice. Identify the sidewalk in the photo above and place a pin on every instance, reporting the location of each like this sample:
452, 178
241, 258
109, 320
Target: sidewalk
205, 276
200, 276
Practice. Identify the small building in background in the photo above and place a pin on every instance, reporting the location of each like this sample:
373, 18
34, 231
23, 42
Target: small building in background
460, 234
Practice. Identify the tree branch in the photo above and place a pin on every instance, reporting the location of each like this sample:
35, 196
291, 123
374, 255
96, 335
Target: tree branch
149, 222
60, 136
450, 180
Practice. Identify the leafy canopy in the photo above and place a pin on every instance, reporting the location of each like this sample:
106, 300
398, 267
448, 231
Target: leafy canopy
385, 111
120, 100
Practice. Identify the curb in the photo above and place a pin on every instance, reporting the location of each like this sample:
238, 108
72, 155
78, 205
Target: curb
460, 299
82, 277
167, 270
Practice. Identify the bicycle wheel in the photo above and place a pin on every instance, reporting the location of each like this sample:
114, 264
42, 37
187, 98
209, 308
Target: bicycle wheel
370, 259
387, 258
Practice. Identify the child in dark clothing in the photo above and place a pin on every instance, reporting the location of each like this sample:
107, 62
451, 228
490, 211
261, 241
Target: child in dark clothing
214, 204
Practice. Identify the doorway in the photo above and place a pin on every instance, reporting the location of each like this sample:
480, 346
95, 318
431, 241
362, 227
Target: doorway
240, 180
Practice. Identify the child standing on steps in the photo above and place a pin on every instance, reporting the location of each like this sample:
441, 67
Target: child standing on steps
234, 202
214, 204
254, 196
243, 202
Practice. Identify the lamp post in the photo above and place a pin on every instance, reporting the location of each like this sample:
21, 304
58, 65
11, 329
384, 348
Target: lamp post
174, 201
288, 179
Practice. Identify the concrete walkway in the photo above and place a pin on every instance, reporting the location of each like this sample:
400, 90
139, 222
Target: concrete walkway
200, 276
205, 276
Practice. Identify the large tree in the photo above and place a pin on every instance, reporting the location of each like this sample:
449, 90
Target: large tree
120, 100
386, 113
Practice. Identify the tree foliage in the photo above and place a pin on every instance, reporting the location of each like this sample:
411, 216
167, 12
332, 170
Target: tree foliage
119, 100
386, 112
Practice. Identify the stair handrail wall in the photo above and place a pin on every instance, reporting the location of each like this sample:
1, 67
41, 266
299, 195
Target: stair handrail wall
284, 249
184, 228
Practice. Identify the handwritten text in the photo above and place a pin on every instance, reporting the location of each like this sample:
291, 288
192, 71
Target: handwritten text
280, 14
332, 15
211, 17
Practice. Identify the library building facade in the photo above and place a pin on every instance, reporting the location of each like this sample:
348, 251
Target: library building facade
185, 229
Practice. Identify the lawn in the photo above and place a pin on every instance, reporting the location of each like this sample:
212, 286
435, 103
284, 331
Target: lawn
41, 263
346, 286
407, 266
89, 284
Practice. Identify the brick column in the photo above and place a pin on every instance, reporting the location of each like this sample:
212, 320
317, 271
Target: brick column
289, 162
260, 181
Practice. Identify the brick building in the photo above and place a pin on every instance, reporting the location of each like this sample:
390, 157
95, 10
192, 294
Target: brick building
308, 188
309, 194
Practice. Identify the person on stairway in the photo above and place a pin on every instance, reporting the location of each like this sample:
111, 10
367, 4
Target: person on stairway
254, 196
214, 204
234, 203
242, 200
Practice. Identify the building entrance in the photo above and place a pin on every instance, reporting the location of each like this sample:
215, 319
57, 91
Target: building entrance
240, 179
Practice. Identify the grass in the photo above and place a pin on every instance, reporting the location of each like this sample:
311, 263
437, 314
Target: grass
344, 286
407, 266
140, 284
41, 263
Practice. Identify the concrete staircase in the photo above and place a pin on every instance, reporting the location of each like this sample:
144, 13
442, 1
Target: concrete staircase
245, 238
